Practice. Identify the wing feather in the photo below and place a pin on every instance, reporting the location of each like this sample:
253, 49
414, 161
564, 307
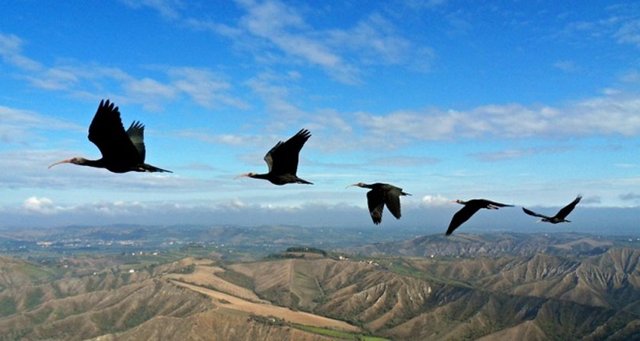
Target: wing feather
564, 212
136, 135
461, 216
392, 200
493, 203
375, 200
283, 157
531, 213
107, 133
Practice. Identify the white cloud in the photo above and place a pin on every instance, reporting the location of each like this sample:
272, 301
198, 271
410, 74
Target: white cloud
631, 196
11, 53
169, 9
435, 200
621, 24
40, 205
228, 139
285, 29
375, 40
613, 113
149, 91
202, 85
510, 154
629, 33
277, 32
18, 126
567, 66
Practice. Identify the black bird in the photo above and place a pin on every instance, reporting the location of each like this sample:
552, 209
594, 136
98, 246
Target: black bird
282, 160
121, 151
469, 209
560, 216
379, 195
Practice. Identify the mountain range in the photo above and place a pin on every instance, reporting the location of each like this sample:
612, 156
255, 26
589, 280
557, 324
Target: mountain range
490, 286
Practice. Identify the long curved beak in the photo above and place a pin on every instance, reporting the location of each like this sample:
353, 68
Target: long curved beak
353, 185
243, 175
59, 162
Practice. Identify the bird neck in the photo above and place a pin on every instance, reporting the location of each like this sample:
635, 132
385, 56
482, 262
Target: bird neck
259, 176
90, 163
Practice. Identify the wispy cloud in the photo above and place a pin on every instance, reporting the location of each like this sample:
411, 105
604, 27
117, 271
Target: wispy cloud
630, 196
285, 29
202, 85
169, 9
566, 66
276, 32
274, 90
11, 53
510, 154
20, 126
629, 32
622, 25
376, 41
404, 161
612, 113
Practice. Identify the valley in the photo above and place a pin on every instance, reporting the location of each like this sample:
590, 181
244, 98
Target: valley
492, 286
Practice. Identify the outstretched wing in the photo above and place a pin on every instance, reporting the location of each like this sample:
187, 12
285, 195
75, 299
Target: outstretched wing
283, 157
107, 133
564, 212
136, 135
461, 216
392, 200
529, 212
489, 203
375, 200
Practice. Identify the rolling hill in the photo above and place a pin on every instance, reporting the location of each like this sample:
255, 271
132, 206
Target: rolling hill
496, 286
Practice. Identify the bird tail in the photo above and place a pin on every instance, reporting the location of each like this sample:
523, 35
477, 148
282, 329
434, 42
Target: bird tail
149, 168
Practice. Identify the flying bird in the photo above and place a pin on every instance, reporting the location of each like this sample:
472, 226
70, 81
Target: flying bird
560, 217
469, 209
122, 151
282, 160
382, 194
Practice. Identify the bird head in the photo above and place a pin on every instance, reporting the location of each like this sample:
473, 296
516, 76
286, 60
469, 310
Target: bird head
358, 184
461, 202
245, 175
74, 160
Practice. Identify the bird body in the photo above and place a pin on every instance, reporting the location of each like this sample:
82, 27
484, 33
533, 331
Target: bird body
560, 217
469, 209
122, 151
382, 194
282, 161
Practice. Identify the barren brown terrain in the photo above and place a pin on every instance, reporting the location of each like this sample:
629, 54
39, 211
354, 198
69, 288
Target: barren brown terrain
586, 289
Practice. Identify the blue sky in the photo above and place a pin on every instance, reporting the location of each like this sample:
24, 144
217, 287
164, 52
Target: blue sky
521, 102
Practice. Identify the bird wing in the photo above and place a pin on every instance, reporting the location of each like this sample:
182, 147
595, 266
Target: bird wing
107, 133
529, 212
564, 212
136, 135
268, 158
493, 203
375, 200
283, 157
392, 200
461, 216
